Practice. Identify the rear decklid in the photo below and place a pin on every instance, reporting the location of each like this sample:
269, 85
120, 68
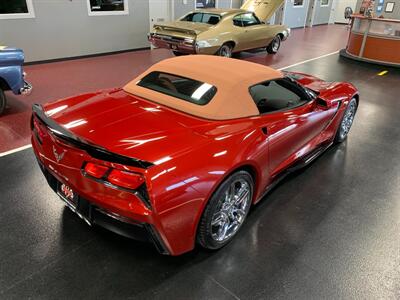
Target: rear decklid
264, 9
125, 125
182, 28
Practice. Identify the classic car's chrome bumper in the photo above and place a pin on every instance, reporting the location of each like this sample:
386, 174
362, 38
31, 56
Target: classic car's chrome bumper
27, 88
286, 34
184, 45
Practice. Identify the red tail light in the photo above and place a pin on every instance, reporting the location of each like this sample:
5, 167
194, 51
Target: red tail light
40, 129
96, 171
125, 179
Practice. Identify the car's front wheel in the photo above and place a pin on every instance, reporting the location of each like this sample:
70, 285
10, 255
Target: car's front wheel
226, 211
347, 121
274, 46
225, 50
3, 101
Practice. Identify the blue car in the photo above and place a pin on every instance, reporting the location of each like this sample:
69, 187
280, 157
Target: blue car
12, 76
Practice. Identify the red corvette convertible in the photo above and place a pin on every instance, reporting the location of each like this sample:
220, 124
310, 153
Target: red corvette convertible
179, 155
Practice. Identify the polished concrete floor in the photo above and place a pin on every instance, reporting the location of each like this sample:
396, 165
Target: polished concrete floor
330, 231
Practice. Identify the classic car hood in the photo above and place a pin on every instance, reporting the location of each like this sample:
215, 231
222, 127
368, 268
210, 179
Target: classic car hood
127, 125
184, 27
264, 9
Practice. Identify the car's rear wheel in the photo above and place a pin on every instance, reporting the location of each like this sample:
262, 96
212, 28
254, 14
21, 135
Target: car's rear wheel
347, 121
274, 46
3, 101
225, 50
226, 211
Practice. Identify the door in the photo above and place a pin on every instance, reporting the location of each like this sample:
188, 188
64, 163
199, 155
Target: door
295, 13
249, 32
290, 119
340, 7
322, 11
159, 11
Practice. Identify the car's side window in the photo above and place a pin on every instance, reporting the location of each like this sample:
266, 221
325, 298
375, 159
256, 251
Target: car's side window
237, 21
277, 95
249, 19
245, 20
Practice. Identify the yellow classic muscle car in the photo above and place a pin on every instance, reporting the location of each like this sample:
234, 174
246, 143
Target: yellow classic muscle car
222, 31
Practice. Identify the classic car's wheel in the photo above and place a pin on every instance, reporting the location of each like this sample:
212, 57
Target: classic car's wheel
347, 121
226, 211
225, 50
274, 46
2, 101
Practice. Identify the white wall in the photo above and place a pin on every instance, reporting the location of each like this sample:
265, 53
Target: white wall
63, 28
338, 13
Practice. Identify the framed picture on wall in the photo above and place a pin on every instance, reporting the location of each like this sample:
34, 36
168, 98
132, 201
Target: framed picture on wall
389, 7
16, 9
205, 3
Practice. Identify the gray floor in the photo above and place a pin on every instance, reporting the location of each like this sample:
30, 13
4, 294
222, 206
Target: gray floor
329, 231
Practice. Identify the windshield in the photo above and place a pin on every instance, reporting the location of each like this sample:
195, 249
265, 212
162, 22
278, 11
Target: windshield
200, 17
187, 89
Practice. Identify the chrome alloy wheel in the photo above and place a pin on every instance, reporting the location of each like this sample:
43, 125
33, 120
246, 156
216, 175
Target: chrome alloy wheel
225, 51
348, 119
276, 44
231, 211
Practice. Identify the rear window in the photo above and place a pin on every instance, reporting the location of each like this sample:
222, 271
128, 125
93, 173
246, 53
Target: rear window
186, 89
202, 18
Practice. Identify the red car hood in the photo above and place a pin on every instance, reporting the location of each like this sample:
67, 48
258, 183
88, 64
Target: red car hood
127, 125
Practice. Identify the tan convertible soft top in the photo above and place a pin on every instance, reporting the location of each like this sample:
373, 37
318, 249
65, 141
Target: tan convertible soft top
231, 77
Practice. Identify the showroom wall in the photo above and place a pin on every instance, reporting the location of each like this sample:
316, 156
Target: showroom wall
62, 28
181, 8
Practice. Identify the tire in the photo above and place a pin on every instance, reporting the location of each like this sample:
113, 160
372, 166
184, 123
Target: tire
221, 221
347, 121
274, 46
3, 101
176, 53
225, 50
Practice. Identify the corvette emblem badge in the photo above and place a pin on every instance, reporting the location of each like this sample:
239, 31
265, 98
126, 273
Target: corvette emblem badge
58, 157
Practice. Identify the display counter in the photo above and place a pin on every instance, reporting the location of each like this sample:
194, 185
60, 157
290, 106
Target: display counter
374, 40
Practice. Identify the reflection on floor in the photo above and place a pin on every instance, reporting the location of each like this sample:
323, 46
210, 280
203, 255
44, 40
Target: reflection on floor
63, 79
328, 231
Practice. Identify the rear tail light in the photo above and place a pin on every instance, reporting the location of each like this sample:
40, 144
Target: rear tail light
95, 170
119, 179
40, 130
125, 179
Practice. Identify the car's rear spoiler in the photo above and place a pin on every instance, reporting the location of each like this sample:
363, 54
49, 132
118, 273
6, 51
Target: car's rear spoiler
93, 150
176, 29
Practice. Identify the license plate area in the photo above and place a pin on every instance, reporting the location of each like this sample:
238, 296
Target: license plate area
68, 195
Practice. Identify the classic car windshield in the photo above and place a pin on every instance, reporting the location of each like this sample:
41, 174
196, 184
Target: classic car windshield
187, 89
199, 17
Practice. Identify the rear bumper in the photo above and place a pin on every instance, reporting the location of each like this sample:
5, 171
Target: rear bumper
26, 89
93, 214
169, 42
